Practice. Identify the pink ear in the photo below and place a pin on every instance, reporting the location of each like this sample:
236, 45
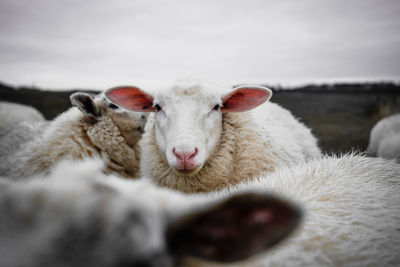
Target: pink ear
245, 98
131, 98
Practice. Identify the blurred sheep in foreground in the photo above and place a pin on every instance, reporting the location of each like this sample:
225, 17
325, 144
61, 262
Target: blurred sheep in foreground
352, 212
79, 216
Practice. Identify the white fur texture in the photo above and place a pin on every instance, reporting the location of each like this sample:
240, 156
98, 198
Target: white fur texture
75, 216
12, 113
27, 149
232, 147
78, 216
352, 209
384, 140
14, 136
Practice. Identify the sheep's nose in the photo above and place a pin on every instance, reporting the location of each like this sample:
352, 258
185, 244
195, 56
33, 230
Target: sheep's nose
185, 159
183, 155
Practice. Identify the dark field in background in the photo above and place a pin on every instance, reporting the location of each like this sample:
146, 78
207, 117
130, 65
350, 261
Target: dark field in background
340, 115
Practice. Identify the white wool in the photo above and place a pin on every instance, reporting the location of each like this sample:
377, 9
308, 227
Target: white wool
384, 140
12, 113
67, 204
48, 212
13, 136
390, 147
112, 134
352, 207
210, 86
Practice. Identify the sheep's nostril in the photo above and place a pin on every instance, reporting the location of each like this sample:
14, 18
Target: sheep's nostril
192, 155
177, 155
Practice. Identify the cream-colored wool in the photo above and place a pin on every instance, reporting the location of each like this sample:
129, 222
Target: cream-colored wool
352, 207
112, 136
251, 143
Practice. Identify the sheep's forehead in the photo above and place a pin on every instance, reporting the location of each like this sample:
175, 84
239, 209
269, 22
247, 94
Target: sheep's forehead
193, 94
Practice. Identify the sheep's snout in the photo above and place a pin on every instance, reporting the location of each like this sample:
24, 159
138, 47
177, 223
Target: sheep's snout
185, 160
186, 156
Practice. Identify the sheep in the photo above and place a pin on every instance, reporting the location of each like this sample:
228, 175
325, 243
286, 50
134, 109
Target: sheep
384, 140
18, 125
352, 212
77, 216
198, 139
351, 206
14, 136
11, 113
390, 147
92, 127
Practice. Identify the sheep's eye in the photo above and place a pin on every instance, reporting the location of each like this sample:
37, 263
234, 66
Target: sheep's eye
112, 106
216, 107
158, 108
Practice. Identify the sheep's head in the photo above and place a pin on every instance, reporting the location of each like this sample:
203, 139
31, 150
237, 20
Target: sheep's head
188, 119
130, 124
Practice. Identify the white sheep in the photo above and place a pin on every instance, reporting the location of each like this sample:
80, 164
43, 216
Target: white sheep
76, 216
11, 113
351, 204
384, 140
94, 127
200, 139
14, 136
18, 124
352, 207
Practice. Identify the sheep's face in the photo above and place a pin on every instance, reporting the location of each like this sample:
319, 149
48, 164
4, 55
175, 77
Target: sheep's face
187, 129
130, 124
188, 119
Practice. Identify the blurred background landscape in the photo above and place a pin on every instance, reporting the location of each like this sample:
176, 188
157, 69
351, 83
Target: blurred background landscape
340, 115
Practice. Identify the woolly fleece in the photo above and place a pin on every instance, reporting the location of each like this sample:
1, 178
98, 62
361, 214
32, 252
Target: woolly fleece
352, 206
75, 135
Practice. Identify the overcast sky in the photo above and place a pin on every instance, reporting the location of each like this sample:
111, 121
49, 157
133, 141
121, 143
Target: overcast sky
100, 44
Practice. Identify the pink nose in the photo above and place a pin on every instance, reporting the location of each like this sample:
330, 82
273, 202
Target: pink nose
185, 159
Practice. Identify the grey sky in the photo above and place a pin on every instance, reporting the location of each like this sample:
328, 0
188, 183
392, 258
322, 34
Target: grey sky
100, 44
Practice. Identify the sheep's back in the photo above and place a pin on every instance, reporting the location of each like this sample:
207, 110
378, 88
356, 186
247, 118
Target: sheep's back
287, 135
352, 207
14, 113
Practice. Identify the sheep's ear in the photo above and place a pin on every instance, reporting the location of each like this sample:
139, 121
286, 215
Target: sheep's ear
131, 98
234, 230
245, 98
85, 103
